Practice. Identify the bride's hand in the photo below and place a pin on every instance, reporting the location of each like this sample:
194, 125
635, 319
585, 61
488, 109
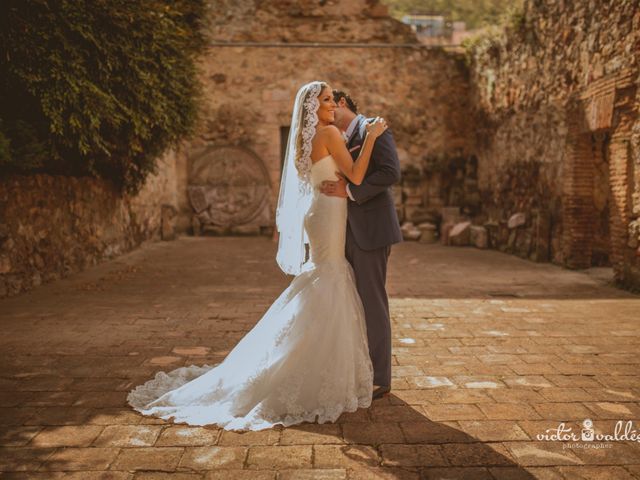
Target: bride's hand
377, 127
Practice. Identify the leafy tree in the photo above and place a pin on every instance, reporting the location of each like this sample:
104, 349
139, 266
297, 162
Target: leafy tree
99, 87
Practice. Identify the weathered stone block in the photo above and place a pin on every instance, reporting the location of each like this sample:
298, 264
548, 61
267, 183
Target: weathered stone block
428, 232
460, 234
410, 232
516, 220
445, 228
479, 236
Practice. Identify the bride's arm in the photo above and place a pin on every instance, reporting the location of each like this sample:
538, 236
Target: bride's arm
354, 171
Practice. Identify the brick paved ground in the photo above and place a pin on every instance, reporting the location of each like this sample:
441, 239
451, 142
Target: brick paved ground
489, 351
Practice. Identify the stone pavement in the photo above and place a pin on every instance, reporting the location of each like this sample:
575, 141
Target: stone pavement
489, 352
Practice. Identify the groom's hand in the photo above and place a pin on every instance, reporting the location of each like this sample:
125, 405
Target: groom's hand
336, 188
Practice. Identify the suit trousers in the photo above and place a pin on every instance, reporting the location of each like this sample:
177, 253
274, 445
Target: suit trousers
370, 268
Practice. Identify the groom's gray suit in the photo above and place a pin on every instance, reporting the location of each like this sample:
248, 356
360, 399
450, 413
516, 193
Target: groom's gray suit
372, 228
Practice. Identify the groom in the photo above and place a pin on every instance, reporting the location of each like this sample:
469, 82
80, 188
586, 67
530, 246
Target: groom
372, 228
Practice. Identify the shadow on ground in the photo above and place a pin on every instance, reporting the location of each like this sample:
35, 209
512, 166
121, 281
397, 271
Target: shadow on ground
531, 340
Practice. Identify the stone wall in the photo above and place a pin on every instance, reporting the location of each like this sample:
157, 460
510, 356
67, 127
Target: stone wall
226, 178
534, 135
250, 90
556, 102
52, 226
349, 21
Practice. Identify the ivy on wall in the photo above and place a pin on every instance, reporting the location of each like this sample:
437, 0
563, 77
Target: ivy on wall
99, 87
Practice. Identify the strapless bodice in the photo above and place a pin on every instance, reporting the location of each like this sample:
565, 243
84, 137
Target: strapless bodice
326, 221
323, 169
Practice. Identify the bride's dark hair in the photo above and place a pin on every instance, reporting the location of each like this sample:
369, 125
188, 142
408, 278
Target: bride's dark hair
303, 119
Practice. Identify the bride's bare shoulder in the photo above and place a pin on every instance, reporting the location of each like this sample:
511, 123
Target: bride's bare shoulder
328, 131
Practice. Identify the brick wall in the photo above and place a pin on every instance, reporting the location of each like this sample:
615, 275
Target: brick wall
556, 96
250, 87
52, 226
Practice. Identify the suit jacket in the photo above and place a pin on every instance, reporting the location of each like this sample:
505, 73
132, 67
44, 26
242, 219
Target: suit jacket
372, 215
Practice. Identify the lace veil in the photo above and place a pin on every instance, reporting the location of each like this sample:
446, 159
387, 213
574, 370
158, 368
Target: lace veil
296, 191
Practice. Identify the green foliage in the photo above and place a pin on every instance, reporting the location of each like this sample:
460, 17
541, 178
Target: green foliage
98, 87
514, 24
515, 19
475, 13
487, 41
518, 24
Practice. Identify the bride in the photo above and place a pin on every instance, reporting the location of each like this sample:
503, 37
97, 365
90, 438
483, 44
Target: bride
307, 358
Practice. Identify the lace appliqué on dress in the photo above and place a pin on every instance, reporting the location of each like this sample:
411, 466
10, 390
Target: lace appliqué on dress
311, 105
163, 382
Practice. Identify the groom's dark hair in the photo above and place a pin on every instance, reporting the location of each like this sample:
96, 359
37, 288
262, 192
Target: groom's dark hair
351, 105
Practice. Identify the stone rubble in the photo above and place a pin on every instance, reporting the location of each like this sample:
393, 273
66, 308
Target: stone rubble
460, 234
539, 120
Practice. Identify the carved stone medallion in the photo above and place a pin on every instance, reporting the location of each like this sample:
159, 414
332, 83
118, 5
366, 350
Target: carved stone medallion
228, 186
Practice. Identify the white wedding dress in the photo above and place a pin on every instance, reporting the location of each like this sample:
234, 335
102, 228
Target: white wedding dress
307, 358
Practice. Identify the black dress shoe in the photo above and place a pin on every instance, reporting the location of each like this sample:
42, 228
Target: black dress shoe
379, 392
